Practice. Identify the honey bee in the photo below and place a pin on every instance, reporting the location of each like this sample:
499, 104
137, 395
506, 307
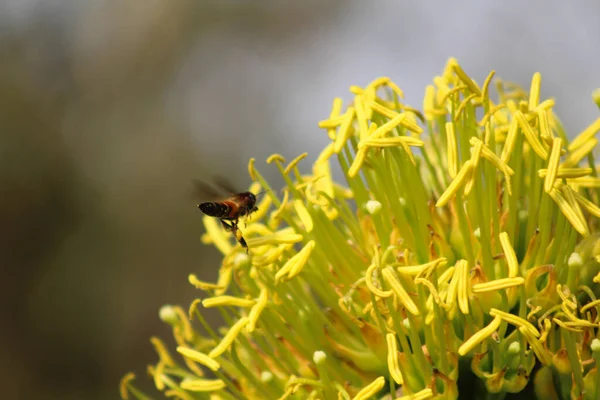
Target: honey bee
230, 210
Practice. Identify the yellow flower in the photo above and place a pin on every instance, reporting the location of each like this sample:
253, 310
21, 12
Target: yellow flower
463, 232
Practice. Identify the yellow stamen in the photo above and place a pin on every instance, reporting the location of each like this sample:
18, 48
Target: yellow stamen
361, 116
294, 163
580, 152
295, 264
420, 395
486, 85
434, 293
509, 255
277, 213
464, 105
497, 284
451, 92
123, 391
589, 305
229, 337
325, 154
465, 78
281, 237
570, 197
564, 325
199, 357
575, 322
553, 164
192, 308
198, 284
371, 389
491, 114
580, 323
182, 395
456, 183
545, 105
462, 289
564, 296
304, 215
564, 206
383, 110
332, 122
358, 161
371, 285
539, 350
287, 393
568, 173
395, 89
398, 289
585, 136
202, 385
185, 322
225, 273
275, 158
545, 131
392, 124
429, 103
479, 336
354, 89
509, 143
251, 169
586, 182
163, 353
423, 269
257, 310
452, 150
392, 358
377, 82
534, 91
158, 375
336, 109
220, 301
530, 135
515, 320
344, 131
588, 205
392, 142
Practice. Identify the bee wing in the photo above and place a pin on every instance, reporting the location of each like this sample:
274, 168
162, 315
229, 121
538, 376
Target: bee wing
203, 192
224, 185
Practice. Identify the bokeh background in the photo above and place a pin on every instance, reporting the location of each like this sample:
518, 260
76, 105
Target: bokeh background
109, 109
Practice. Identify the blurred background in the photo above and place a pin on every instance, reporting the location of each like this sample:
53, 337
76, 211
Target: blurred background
109, 109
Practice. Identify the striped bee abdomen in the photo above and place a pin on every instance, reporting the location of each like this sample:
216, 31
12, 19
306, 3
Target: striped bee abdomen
218, 210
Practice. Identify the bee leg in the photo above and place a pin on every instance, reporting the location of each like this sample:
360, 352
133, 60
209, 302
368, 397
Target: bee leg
233, 227
229, 227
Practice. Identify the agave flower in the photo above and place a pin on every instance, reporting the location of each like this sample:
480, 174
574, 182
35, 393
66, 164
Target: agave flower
460, 257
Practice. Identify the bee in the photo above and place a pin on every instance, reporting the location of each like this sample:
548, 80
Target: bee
230, 210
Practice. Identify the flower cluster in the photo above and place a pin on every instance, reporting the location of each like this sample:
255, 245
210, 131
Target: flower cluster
462, 254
